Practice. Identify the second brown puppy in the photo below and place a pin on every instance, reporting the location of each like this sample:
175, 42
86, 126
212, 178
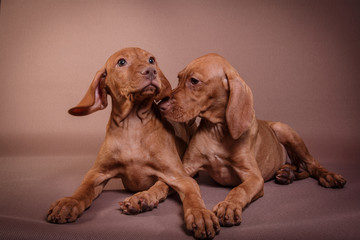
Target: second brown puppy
230, 144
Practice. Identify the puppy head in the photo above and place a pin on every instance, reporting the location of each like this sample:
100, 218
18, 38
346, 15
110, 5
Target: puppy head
130, 76
209, 87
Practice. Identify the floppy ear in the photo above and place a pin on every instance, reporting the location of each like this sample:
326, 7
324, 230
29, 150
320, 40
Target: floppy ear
95, 98
165, 90
240, 111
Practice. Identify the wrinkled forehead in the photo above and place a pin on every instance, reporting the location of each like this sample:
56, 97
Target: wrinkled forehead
205, 68
129, 54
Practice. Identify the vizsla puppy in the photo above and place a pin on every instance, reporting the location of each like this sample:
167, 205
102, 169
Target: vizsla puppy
230, 144
134, 148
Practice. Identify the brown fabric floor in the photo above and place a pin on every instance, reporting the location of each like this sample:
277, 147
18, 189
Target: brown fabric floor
302, 210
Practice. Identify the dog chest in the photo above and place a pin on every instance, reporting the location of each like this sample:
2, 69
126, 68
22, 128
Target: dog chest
220, 169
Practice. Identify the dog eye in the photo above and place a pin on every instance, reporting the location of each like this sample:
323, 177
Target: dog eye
194, 81
121, 62
151, 60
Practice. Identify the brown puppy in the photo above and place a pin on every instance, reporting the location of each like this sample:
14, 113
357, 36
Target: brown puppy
230, 144
134, 148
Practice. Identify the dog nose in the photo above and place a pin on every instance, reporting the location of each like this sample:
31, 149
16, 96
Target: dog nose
150, 73
164, 104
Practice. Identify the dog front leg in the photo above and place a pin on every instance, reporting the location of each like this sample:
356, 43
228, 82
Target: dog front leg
199, 220
145, 200
68, 209
150, 199
229, 211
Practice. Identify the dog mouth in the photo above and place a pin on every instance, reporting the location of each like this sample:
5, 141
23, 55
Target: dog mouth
172, 111
162, 102
149, 90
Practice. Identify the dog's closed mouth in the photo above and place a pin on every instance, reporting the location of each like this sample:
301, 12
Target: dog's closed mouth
149, 89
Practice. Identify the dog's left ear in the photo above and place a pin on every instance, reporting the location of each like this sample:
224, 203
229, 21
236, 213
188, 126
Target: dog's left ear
165, 90
240, 108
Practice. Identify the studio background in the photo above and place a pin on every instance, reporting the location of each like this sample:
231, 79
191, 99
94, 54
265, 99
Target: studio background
300, 58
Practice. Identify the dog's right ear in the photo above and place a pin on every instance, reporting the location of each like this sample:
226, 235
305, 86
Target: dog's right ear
95, 98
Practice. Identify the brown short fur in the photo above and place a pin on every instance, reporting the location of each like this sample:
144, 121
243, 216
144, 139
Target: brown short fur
230, 144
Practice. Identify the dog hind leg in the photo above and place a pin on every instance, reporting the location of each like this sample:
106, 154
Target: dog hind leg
302, 159
289, 173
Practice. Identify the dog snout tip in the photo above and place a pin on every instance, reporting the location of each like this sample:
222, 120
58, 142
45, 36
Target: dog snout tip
164, 104
163, 108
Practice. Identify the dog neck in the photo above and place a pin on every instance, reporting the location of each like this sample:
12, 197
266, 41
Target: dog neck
127, 110
216, 130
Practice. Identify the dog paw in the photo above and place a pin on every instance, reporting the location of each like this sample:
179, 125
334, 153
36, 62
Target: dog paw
284, 176
332, 180
139, 202
65, 210
228, 213
202, 223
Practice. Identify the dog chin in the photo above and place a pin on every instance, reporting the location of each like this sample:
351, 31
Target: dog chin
149, 90
147, 93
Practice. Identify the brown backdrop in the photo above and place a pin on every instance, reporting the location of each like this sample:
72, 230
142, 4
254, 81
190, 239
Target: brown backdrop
301, 59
